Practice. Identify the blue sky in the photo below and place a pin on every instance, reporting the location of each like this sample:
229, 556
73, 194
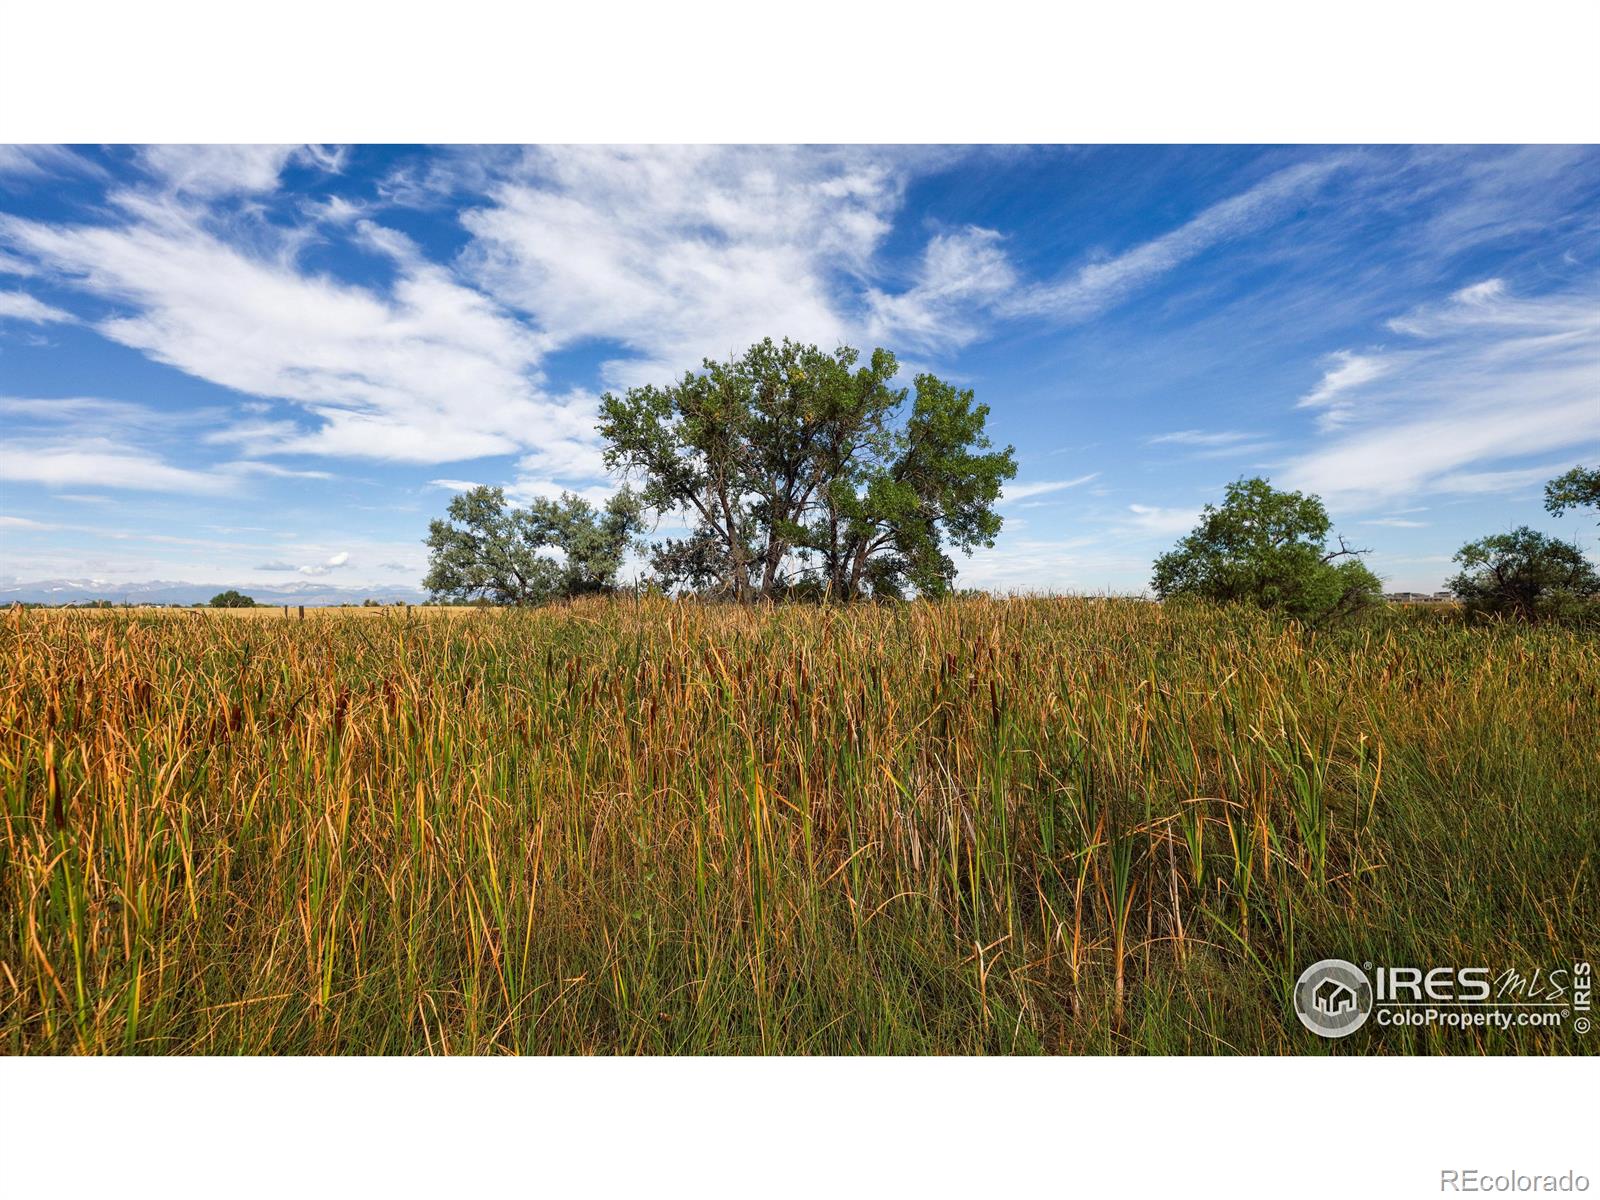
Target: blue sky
260, 365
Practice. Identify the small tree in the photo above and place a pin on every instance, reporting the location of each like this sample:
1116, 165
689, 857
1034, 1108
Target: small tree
1268, 548
232, 599
1523, 574
489, 551
1578, 488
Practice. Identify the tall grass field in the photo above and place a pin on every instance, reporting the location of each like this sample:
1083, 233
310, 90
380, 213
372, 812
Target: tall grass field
978, 826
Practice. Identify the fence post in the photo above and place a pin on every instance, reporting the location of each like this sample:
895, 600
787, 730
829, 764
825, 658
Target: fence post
302, 612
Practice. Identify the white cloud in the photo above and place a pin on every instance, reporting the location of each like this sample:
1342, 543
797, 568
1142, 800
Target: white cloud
272, 471
22, 523
1157, 521
103, 463
960, 276
19, 306
1345, 373
1013, 492
40, 162
681, 253
10, 264
335, 210
104, 416
1499, 193
1515, 480
342, 559
1490, 377
432, 371
106, 461
1223, 444
1197, 437
1490, 308
210, 171
1101, 285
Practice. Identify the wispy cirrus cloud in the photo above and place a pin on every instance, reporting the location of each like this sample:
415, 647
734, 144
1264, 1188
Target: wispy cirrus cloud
103, 462
68, 440
20, 306
106, 416
1200, 437
43, 162
1098, 286
960, 276
1518, 479
1487, 376
1196, 444
1013, 492
270, 470
966, 282
1345, 373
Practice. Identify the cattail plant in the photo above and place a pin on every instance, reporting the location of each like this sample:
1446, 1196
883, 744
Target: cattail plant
648, 826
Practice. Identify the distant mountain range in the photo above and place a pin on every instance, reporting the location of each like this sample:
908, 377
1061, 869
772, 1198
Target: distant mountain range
163, 591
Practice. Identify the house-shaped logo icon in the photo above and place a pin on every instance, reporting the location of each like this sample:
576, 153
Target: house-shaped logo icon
1330, 997
1333, 998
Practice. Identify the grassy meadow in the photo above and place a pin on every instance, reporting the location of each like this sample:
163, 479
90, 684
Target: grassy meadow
975, 826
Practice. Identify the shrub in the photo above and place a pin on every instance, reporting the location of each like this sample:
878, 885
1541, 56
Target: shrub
1525, 574
1267, 548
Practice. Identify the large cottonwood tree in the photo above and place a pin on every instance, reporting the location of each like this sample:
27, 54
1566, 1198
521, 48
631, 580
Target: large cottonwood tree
796, 471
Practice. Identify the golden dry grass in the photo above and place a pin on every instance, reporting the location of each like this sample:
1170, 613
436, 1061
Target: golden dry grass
619, 826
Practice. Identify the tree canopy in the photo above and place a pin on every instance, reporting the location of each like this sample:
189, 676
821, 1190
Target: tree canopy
551, 549
1522, 574
232, 599
794, 472
1578, 488
1269, 548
